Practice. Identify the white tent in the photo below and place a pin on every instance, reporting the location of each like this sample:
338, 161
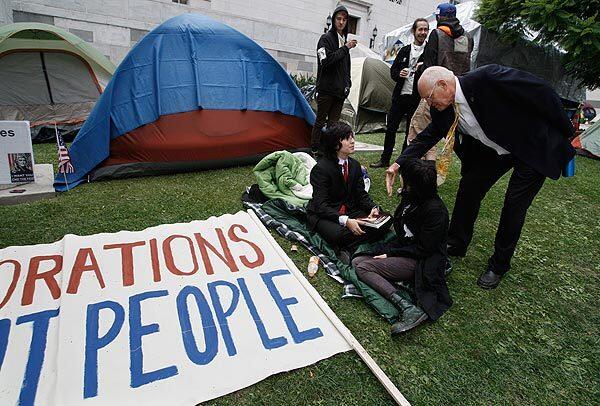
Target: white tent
396, 39
362, 51
545, 62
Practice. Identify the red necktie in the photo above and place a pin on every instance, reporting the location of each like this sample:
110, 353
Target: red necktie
345, 167
342, 210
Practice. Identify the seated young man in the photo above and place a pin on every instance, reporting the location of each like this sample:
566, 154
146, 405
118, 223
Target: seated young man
339, 195
417, 255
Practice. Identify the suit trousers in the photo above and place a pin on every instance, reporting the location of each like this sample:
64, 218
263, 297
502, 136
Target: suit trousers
403, 106
524, 184
329, 110
379, 273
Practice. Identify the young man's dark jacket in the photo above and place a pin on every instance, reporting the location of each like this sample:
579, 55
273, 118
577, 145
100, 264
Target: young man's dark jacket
401, 62
333, 71
516, 110
330, 191
428, 222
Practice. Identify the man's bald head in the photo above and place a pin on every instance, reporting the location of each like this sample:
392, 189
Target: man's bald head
437, 85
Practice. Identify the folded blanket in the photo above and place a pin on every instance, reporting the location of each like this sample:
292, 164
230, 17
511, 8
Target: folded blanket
281, 175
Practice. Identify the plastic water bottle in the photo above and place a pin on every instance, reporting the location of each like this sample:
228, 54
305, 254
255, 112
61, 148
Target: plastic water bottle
313, 266
569, 169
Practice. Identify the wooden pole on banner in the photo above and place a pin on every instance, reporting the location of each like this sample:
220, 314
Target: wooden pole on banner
333, 318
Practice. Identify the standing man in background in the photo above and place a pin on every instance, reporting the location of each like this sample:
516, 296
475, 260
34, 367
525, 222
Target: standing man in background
405, 98
333, 74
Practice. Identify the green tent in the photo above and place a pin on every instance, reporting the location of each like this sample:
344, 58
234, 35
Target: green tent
370, 96
48, 75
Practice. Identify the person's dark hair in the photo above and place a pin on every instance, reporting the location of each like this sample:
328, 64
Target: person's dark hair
417, 21
420, 178
332, 136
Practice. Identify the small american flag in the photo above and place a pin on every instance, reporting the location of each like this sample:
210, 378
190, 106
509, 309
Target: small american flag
64, 159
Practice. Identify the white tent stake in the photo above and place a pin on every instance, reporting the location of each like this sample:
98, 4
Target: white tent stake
342, 329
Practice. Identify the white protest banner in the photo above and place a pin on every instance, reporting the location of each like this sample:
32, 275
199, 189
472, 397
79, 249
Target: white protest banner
16, 153
175, 314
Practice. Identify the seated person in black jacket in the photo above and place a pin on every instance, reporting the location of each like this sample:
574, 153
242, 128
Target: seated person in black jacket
417, 255
339, 195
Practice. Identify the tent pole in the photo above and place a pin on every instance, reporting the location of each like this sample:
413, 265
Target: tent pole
333, 318
46, 77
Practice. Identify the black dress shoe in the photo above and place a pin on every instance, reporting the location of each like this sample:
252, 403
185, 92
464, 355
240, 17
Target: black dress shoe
380, 164
489, 280
454, 251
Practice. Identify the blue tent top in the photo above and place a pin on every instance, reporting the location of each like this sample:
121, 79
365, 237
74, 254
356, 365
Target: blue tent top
187, 63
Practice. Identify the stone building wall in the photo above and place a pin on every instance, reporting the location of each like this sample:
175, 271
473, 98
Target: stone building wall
288, 30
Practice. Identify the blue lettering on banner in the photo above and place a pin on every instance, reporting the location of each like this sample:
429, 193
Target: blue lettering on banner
136, 331
93, 343
37, 350
283, 303
268, 343
4, 333
208, 325
223, 314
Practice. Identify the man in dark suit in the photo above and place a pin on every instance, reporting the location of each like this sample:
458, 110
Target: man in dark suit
405, 97
506, 119
339, 195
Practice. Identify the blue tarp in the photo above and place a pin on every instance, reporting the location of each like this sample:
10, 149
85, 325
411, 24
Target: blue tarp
189, 62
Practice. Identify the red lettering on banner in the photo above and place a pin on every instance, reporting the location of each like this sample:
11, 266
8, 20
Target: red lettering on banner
13, 284
126, 258
154, 258
168, 253
226, 256
80, 266
259, 254
48, 277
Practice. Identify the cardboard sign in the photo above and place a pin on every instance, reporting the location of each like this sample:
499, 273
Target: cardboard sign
175, 314
16, 153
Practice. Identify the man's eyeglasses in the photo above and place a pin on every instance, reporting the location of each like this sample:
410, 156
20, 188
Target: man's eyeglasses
428, 99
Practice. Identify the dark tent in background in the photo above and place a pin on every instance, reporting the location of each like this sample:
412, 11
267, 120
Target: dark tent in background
193, 94
49, 76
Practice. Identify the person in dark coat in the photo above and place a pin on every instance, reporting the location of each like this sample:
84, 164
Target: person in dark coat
339, 195
333, 74
406, 96
417, 255
505, 119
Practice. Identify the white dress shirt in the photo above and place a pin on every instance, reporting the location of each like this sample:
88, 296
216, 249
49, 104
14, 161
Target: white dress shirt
467, 123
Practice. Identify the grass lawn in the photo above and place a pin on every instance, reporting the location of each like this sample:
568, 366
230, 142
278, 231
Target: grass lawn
533, 340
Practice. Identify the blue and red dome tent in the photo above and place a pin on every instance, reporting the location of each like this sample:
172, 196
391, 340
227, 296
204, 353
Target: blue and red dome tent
193, 94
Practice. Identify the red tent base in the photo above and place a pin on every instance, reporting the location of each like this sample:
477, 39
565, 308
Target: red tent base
205, 136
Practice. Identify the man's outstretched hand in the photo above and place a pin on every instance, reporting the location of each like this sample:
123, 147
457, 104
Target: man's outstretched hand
390, 177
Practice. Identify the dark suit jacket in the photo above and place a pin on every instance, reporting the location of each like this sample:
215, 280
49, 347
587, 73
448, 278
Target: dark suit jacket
516, 110
330, 191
